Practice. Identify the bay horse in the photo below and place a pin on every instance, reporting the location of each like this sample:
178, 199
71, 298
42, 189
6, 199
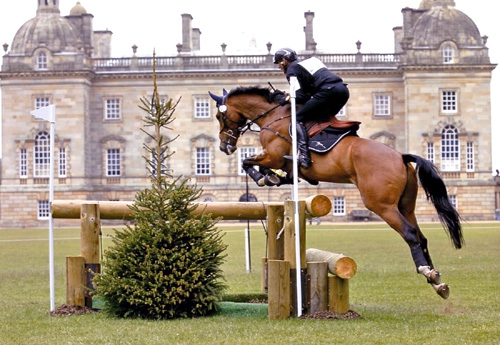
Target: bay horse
386, 180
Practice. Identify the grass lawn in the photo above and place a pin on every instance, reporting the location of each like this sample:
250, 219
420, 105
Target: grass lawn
397, 305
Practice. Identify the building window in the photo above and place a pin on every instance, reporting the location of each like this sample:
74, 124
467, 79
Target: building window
449, 104
201, 107
453, 200
23, 164
450, 149
62, 162
382, 105
41, 102
42, 155
338, 206
448, 54
112, 111
470, 157
244, 152
43, 209
42, 61
430, 152
113, 162
202, 161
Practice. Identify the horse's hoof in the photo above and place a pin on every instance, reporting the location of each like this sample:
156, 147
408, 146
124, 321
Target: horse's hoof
261, 182
272, 180
442, 290
433, 276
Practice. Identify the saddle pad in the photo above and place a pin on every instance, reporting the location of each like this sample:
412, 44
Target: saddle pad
325, 140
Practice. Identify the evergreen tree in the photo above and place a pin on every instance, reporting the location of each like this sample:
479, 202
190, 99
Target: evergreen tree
168, 264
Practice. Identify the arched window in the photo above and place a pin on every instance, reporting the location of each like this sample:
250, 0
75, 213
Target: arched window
450, 149
42, 61
42, 155
448, 54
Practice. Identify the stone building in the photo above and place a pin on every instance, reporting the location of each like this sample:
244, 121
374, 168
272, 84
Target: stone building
430, 97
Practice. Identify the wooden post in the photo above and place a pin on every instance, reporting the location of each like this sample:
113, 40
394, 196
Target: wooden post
91, 231
279, 301
338, 295
317, 279
75, 281
275, 223
290, 253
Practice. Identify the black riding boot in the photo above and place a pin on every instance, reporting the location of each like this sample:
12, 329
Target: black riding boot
302, 144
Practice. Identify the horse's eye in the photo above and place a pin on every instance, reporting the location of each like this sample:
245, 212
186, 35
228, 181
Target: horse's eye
223, 108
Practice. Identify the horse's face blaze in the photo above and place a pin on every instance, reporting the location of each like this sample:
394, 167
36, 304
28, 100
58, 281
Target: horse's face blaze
228, 136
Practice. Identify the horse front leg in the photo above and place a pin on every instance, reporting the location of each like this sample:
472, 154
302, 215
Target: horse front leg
263, 176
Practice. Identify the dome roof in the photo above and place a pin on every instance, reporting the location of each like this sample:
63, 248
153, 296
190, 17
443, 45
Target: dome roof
46, 29
77, 10
445, 23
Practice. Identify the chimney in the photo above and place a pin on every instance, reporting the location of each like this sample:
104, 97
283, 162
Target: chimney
187, 32
308, 29
196, 39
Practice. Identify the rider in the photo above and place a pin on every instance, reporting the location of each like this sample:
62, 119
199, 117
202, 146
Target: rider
322, 93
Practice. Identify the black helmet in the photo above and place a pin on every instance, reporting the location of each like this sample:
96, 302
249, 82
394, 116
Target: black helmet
286, 53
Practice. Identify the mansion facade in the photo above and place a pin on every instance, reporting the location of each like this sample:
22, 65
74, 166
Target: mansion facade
430, 97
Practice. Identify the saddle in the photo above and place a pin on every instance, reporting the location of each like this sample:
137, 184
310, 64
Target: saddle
314, 127
324, 135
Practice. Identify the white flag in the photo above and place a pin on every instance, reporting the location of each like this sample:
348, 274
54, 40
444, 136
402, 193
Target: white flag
47, 113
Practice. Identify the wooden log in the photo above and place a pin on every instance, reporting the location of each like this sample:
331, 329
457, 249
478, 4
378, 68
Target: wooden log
338, 295
317, 287
279, 300
316, 206
75, 281
338, 264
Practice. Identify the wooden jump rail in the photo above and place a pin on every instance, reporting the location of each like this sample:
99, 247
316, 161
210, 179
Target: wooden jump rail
278, 268
316, 206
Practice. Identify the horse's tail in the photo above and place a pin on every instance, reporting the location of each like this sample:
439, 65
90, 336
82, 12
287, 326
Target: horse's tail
435, 191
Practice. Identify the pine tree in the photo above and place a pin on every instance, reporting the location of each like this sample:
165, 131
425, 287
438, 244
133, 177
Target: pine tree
168, 264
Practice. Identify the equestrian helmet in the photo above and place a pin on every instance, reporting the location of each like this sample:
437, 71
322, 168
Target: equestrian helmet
286, 53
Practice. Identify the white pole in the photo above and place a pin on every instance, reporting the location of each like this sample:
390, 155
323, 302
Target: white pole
49, 114
247, 249
51, 220
294, 86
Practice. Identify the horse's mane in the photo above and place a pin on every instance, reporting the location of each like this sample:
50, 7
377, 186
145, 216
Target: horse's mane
252, 90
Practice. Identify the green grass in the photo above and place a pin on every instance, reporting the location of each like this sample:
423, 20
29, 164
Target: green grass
397, 305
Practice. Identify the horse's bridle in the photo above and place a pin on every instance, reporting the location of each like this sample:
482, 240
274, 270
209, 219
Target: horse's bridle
240, 130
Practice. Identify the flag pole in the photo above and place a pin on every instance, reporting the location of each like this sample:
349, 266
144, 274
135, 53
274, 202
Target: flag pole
294, 86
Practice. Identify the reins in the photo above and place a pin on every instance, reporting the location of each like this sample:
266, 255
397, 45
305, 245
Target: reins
248, 126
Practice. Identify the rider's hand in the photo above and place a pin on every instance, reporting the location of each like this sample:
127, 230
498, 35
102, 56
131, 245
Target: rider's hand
284, 100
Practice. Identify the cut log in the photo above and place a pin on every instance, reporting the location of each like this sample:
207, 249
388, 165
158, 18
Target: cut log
338, 264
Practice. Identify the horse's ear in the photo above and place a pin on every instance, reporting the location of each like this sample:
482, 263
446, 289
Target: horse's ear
216, 98
224, 92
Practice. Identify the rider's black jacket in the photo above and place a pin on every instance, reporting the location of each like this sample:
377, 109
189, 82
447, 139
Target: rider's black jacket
312, 76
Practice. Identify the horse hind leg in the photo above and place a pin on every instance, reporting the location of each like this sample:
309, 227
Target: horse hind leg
407, 209
418, 249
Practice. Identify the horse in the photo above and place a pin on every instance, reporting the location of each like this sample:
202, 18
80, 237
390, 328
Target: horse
385, 178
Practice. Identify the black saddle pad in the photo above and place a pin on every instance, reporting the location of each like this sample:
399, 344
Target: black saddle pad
325, 140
